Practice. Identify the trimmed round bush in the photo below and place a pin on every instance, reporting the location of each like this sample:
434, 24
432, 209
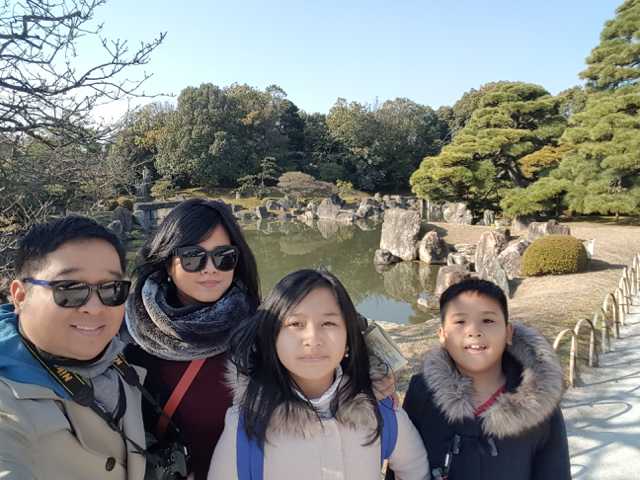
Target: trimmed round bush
111, 205
554, 255
125, 202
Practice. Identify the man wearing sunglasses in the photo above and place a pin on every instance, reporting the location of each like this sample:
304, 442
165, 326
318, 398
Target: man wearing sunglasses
67, 406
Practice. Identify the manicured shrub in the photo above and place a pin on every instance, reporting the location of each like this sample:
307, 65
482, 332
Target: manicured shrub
554, 255
111, 205
125, 202
162, 189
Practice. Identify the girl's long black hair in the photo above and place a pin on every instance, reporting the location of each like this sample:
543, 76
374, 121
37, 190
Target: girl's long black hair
189, 223
253, 349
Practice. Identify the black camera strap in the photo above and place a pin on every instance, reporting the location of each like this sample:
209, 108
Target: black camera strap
81, 391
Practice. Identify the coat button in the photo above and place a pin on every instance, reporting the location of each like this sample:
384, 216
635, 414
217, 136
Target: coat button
111, 464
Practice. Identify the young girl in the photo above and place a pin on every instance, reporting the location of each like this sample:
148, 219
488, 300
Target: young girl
196, 279
302, 392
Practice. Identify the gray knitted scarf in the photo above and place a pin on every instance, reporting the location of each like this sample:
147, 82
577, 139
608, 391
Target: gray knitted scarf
183, 333
104, 378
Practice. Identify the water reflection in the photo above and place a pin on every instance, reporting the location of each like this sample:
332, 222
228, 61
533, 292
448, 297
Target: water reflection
389, 294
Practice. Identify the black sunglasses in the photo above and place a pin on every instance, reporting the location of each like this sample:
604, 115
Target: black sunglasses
194, 258
73, 293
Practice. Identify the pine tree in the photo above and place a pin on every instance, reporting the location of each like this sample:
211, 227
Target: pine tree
513, 120
603, 165
615, 62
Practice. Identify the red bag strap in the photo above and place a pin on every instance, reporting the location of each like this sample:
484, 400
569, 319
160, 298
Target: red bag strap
177, 395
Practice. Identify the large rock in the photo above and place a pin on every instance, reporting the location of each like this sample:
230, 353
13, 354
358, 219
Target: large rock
493, 271
400, 232
287, 203
511, 258
346, 216
117, 228
457, 213
468, 250
366, 211
261, 212
490, 245
329, 208
432, 212
272, 205
455, 258
488, 217
590, 247
432, 249
449, 275
307, 218
540, 229
520, 224
368, 208
245, 215
125, 217
312, 206
335, 198
384, 257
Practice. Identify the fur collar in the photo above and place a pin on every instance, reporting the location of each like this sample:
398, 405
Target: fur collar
301, 421
531, 403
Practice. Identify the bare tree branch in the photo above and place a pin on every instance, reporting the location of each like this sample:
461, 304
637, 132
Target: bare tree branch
42, 93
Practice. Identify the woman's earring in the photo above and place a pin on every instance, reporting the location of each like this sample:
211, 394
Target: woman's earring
346, 353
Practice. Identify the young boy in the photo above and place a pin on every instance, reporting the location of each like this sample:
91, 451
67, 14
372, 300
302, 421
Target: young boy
486, 403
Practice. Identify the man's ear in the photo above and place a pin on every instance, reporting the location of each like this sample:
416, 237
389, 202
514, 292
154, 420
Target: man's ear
18, 291
509, 334
441, 336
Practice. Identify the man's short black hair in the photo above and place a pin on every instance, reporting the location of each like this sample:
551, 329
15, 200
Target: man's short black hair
44, 238
474, 285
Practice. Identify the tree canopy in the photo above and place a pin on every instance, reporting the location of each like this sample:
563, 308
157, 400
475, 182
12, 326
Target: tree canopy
512, 121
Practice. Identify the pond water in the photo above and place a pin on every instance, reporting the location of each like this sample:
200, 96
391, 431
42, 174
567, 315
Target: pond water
388, 294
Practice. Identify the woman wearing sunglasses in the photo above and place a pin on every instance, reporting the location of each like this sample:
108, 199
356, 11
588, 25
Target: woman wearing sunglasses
196, 279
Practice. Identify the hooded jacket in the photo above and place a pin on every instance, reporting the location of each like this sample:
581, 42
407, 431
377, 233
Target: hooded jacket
519, 437
45, 435
300, 446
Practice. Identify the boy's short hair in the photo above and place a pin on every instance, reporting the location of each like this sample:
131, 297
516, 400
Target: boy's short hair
45, 238
474, 285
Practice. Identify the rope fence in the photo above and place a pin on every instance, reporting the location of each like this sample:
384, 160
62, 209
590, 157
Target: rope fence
608, 319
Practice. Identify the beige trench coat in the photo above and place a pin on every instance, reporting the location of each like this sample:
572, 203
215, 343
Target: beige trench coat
45, 437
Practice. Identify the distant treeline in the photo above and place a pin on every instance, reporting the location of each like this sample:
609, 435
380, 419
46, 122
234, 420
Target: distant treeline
507, 146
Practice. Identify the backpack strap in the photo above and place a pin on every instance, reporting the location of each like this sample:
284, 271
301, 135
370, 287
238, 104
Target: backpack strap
249, 455
389, 435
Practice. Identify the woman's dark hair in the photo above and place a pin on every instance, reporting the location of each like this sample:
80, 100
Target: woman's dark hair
190, 223
253, 347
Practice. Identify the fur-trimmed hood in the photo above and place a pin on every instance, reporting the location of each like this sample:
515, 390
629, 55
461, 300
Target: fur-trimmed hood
530, 403
299, 419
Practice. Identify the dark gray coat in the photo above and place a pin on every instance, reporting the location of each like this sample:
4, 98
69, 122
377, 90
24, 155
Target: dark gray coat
520, 437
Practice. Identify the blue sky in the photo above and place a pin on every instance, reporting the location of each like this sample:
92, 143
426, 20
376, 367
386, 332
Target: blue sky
430, 51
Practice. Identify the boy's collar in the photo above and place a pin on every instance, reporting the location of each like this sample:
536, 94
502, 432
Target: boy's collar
531, 396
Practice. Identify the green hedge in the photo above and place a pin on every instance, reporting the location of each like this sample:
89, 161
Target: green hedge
554, 255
